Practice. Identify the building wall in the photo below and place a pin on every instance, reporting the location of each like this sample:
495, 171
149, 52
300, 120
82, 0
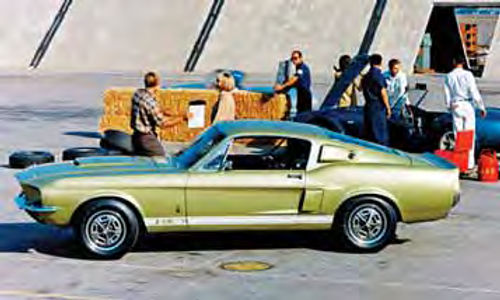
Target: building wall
132, 35
118, 35
492, 68
254, 39
254, 35
23, 23
401, 32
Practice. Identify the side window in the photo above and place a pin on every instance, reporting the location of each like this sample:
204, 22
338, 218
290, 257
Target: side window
268, 153
218, 159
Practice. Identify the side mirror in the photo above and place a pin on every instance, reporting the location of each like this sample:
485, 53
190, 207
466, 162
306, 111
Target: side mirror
228, 165
335, 154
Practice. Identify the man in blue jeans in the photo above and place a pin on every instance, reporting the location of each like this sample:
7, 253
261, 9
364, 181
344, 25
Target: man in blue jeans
377, 109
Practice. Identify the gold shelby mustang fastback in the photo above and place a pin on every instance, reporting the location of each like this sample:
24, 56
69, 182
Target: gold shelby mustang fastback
244, 175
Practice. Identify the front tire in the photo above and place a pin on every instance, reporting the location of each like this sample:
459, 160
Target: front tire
366, 224
107, 229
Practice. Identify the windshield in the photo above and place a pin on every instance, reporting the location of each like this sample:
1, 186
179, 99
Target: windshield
200, 147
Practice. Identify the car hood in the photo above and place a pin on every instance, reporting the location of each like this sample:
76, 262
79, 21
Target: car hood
97, 166
493, 112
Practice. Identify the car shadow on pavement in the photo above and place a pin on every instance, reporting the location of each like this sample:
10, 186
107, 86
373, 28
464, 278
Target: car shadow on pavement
246, 240
54, 241
29, 237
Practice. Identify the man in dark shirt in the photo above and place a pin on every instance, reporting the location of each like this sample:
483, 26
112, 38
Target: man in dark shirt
377, 109
301, 80
147, 117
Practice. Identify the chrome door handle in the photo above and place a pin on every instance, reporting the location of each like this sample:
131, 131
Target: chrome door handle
294, 176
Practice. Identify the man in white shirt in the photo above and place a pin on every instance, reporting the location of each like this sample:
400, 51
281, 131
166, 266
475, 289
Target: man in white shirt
461, 93
397, 86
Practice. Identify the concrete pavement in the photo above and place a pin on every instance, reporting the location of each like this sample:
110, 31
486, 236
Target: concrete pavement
455, 258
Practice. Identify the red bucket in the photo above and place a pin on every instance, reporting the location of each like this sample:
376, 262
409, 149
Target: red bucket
488, 166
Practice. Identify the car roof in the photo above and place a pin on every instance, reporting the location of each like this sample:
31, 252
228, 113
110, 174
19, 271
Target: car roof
271, 127
287, 128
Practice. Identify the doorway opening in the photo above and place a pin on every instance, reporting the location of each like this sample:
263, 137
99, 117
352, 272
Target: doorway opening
457, 31
441, 42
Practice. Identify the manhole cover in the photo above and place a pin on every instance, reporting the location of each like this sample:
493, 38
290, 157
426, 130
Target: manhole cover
246, 266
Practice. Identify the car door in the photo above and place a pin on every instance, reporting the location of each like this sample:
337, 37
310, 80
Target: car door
248, 182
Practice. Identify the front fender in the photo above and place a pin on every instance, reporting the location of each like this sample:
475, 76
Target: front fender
68, 203
113, 194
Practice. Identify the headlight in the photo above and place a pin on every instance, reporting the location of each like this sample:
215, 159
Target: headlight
33, 194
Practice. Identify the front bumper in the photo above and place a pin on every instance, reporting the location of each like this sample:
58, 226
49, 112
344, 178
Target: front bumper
33, 208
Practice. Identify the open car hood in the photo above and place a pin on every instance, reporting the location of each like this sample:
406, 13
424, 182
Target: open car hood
357, 65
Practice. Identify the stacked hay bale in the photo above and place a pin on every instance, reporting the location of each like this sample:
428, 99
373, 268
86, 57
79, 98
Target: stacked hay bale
118, 102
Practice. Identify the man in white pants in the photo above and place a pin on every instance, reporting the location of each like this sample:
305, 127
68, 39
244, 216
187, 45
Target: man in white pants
461, 93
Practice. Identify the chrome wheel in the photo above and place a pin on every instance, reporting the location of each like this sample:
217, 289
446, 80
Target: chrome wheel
106, 230
367, 224
447, 141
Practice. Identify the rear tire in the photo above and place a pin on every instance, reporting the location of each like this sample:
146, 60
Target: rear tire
107, 229
366, 224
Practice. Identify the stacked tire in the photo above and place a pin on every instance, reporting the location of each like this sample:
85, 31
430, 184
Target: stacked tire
73, 153
24, 159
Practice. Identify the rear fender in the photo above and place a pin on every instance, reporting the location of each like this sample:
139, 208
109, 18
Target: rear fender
375, 193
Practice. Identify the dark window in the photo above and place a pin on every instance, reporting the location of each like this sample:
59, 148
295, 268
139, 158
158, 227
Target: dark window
265, 153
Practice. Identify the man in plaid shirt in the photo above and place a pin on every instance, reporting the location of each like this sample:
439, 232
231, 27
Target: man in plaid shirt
147, 117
